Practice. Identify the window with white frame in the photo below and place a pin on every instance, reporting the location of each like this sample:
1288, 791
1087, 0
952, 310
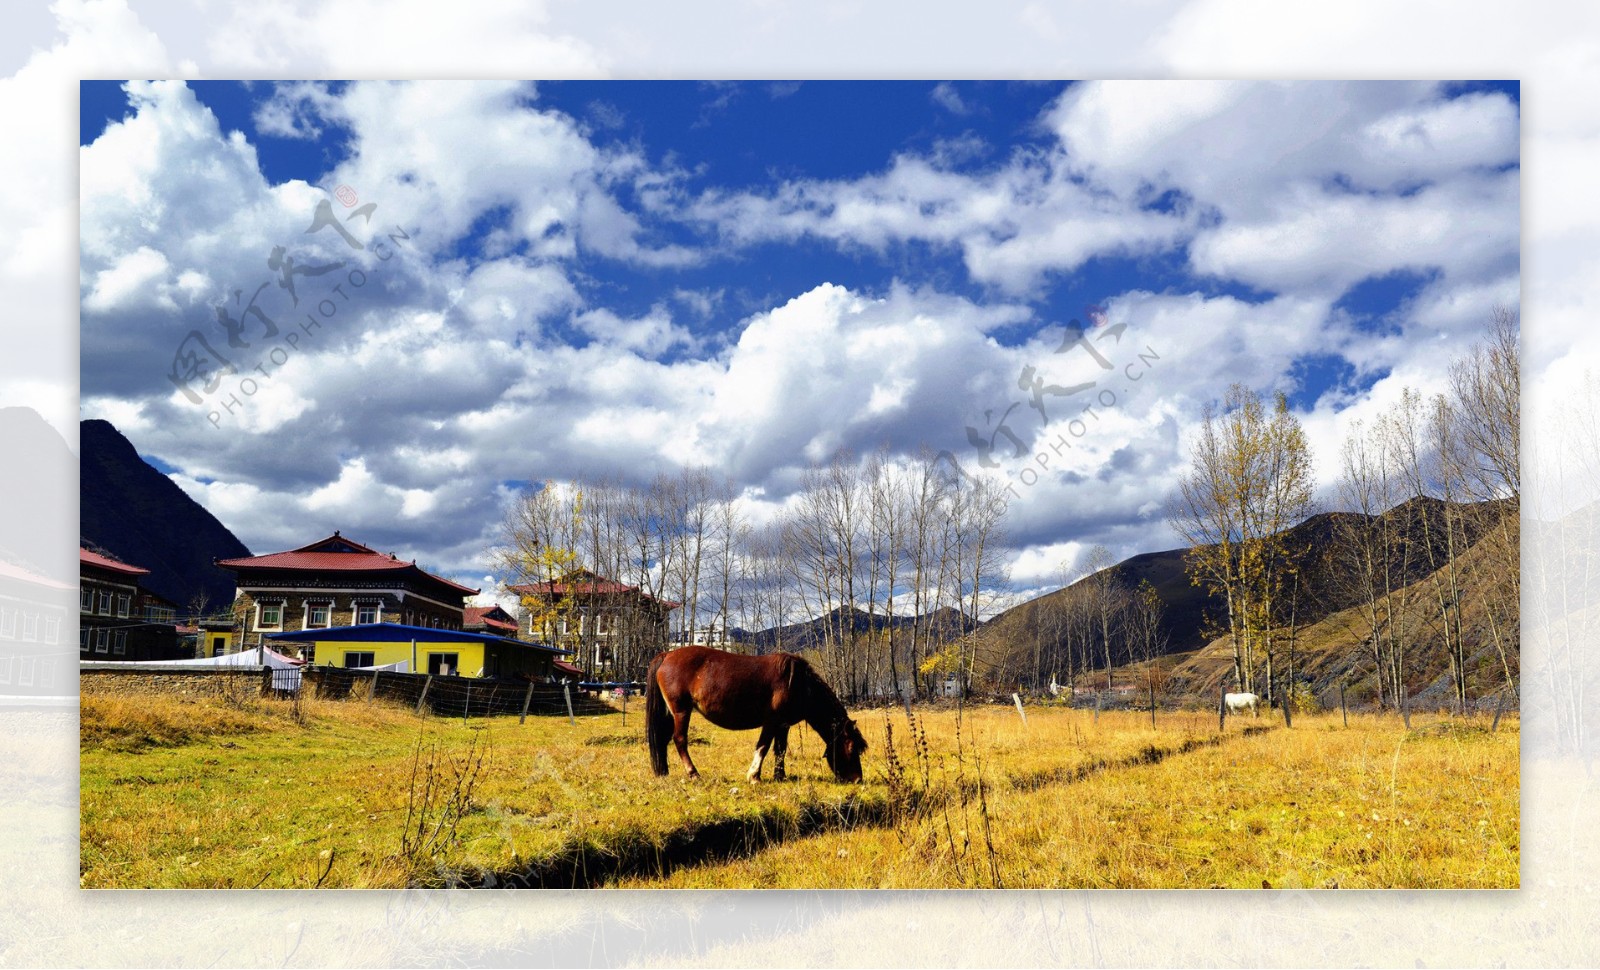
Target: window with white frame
85, 599
119, 642
123, 602
8, 623
368, 613
104, 606
269, 616
319, 615
30, 626
52, 629
83, 639
102, 640
359, 658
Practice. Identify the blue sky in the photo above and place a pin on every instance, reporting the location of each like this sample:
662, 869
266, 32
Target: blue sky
624, 277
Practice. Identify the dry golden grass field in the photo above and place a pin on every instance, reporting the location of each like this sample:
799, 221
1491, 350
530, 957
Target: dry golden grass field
211, 793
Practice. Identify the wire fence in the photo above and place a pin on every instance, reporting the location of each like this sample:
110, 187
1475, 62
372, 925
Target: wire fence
450, 696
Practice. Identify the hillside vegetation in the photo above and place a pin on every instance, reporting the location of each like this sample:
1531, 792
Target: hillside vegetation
1330, 641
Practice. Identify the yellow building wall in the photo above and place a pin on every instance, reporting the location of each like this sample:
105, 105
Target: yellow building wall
469, 656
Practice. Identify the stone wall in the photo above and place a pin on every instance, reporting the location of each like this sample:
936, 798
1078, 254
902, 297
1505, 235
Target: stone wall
115, 678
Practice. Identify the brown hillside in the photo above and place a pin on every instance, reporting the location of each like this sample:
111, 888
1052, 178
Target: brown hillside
1333, 649
1329, 646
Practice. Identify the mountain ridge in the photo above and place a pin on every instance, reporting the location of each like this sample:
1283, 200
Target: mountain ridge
133, 511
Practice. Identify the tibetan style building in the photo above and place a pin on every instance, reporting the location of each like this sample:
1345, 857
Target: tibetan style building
337, 582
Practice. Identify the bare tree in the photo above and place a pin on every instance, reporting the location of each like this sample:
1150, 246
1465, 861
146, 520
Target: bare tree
539, 544
1250, 479
926, 535
887, 494
1486, 398
1359, 550
1148, 636
728, 536
1286, 500
1109, 600
977, 513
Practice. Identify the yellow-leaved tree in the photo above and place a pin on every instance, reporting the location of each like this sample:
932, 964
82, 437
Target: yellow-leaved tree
1249, 481
539, 550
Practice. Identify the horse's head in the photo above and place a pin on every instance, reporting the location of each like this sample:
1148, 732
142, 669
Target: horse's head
843, 750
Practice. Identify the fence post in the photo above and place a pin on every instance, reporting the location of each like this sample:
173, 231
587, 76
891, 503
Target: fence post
466, 705
373, 692
1343, 711
526, 700
1152, 703
1222, 708
566, 690
423, 699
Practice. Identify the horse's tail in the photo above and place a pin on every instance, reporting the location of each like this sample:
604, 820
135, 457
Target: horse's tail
657, 719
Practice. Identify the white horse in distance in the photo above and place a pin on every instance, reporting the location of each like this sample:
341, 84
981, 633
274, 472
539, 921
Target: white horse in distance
1239, 703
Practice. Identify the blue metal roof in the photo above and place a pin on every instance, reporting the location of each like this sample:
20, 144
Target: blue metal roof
398, 633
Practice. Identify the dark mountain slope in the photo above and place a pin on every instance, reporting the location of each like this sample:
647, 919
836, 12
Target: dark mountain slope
137, 514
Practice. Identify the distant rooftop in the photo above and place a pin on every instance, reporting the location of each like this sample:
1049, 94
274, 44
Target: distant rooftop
337, 554
87, 558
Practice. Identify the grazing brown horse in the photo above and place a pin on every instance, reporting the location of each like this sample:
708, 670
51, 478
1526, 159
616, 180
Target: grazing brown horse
742, 693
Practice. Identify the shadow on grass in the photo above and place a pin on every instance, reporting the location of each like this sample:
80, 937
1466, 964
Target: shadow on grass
588, 865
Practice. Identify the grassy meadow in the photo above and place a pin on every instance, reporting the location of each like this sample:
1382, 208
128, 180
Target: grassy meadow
213, 793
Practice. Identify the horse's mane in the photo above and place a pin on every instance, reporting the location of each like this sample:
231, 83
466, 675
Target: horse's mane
805, 680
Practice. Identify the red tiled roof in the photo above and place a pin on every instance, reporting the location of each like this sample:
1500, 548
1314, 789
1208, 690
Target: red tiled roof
10, 570
335, 554
567, 668
87, 558
480, 616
